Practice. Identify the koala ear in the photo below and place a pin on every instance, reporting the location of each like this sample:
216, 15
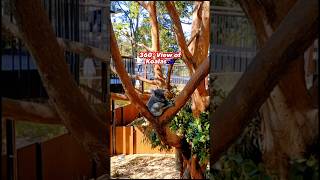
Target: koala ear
152, 91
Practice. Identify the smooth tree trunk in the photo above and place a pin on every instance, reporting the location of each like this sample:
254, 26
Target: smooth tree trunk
199, 47
289, 122
155, 37
195, 52
294, 35
79, 118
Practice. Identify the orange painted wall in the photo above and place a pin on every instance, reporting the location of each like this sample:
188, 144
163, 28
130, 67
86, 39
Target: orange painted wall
129, 140
145, 147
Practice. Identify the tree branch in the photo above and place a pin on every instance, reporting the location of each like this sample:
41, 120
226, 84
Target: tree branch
29, 111
144, 5
65, 44
125, 79
137, 77
193, 37
75, 112
144, 46
45, 113
164, 132
91, 91
294, 35
117, 96
180, 35
139, 44
168, 79
201, 72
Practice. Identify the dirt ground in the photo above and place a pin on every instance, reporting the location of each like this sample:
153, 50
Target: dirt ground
144, 166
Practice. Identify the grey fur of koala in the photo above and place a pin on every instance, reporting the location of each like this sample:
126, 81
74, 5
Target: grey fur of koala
158, 102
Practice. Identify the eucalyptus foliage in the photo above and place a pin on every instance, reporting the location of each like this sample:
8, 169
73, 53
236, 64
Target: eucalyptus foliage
194, 129
131, 24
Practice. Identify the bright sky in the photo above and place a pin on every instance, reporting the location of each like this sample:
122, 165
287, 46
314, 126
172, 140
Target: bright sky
186, 27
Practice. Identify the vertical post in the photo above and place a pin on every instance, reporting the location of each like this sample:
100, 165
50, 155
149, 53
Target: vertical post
1, 101
1, 125
121, 115
94, 170
39, 172
77, 38
105, 35
145, 74
104, 81
145, 70
134, 140
124, 140
50, 10
20, 61
113, 130
142, 86
131, 140
11, 152
1, 129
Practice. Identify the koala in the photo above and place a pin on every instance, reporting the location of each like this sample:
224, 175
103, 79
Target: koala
158, 102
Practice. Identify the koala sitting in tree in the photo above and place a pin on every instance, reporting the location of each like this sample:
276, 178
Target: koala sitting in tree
158, 102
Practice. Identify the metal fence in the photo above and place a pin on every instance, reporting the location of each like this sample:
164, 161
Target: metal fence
74, 20
234, 41
129, 64
180, 74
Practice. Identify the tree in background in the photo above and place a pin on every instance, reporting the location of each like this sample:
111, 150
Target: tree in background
196, 61
86, 124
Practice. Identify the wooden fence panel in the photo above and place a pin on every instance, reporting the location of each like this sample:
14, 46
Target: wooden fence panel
26, 163
63, 158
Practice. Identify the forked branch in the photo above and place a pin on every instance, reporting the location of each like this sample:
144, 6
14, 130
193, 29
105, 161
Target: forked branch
180, 35
294, 35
